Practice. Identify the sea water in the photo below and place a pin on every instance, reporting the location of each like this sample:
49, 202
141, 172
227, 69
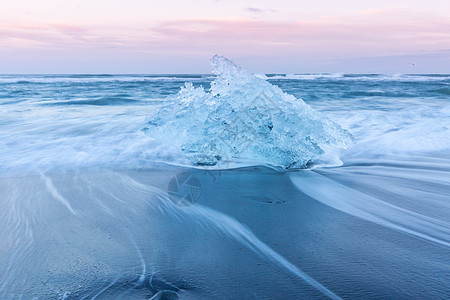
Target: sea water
339, 187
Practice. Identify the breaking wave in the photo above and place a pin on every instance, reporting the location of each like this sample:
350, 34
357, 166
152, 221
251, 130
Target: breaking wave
358, 77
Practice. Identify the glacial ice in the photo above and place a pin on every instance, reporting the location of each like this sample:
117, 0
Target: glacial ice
244, 117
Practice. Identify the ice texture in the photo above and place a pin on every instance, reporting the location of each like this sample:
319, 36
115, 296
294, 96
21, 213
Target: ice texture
244, 117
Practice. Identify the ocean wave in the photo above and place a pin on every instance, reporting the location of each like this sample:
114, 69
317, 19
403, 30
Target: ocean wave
400, 77
304, 76
81, 139
377, 93
111, 100
43, 79
80, 78
357, 77
369, 197
421, 128
441, 91
73, 125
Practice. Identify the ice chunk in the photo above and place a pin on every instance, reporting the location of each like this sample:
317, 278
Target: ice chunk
244, 117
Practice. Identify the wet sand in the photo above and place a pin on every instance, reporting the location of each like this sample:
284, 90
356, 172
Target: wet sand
242, 234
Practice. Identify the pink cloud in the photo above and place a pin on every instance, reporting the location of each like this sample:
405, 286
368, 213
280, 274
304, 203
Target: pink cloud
381, 32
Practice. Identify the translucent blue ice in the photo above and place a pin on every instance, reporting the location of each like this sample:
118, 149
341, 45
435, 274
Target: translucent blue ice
244, 117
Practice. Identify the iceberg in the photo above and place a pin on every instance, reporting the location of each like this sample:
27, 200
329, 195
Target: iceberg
243, 117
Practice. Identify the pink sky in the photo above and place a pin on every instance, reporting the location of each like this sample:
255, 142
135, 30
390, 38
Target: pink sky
142, 36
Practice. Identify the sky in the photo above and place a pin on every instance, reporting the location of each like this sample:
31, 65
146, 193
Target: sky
169, 36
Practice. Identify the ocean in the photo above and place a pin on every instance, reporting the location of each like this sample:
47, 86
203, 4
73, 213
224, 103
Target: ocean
100, 199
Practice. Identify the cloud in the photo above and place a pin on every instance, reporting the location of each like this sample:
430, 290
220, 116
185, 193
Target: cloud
259, 10
381, 34
54, 36
369, 34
